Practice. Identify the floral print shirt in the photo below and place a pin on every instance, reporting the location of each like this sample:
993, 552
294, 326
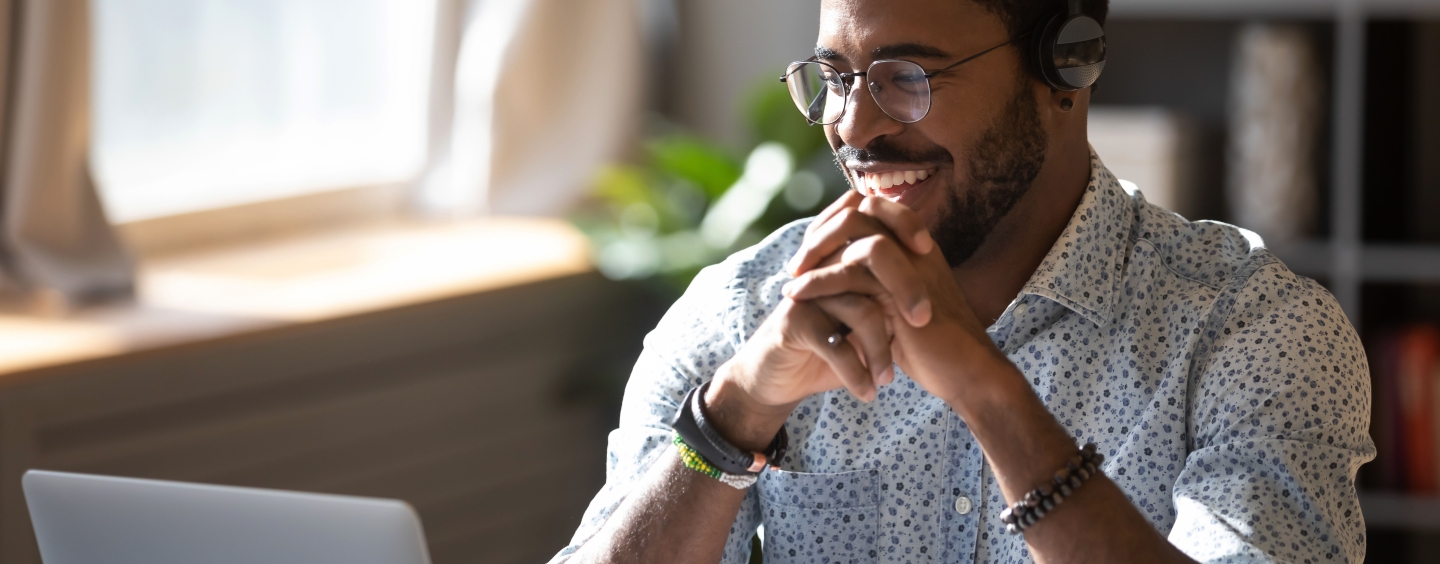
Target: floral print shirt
1230, 396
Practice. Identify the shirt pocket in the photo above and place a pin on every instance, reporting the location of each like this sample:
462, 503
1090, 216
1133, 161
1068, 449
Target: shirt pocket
820, 518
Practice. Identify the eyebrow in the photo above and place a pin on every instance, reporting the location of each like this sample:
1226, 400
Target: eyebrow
911, 50
897, 51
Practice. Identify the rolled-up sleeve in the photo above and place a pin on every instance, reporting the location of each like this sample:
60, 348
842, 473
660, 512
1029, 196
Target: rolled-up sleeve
682, 352
1279, 415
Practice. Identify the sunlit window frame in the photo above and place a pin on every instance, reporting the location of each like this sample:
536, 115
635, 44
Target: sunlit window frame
323, 210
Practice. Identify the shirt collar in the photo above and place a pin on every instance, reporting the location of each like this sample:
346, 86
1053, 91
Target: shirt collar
1083, 269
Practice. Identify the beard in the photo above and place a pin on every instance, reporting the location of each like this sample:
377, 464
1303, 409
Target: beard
1003, 165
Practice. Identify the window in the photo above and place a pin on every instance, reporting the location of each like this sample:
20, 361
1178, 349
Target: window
203, 104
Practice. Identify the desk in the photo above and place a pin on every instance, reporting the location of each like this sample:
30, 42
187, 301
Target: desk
419, 362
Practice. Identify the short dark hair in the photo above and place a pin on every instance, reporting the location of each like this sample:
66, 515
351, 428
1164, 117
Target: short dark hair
1022, 16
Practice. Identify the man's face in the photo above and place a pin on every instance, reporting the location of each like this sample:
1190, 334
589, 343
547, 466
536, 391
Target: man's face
982, 142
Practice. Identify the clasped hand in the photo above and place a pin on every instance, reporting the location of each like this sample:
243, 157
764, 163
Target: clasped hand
871, 265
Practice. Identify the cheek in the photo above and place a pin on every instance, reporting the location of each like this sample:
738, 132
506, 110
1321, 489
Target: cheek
957, 122
935, 206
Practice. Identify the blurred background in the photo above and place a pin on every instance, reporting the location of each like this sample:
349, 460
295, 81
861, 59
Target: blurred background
409, 248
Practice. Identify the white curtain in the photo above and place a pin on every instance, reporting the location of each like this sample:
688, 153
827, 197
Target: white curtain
56, 247
541, 94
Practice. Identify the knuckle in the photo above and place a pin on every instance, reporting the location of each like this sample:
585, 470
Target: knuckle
872, 310
844, 302
869, 205
869, 246
853, 269
846, 216
866, 245
883, 244
795, 316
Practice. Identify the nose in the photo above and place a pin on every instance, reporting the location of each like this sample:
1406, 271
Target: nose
863, 121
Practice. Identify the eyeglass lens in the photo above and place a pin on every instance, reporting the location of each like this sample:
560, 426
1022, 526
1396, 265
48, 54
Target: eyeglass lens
900, 88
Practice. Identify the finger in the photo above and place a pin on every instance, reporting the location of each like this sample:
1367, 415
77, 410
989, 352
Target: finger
814, 326
895, 268
902, 221
840, 278
846, 225
850, 199
875, 266
866, 320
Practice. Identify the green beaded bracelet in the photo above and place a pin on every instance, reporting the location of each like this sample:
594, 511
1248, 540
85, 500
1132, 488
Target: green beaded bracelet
694, 461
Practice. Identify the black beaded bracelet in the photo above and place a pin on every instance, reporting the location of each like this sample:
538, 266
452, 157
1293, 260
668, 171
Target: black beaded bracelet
1024, 513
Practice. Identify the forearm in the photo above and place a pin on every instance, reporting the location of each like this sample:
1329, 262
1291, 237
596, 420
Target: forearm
677, 514
1025, 445
674, 514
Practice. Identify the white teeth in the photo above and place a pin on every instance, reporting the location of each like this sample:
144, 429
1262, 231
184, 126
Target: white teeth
883, 180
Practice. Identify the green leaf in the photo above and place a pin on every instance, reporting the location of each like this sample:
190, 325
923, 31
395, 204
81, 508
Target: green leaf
704, 164
773, 117
623, 185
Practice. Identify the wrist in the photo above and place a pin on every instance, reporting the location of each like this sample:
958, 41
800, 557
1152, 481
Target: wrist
987, 378
743, 421
961, 368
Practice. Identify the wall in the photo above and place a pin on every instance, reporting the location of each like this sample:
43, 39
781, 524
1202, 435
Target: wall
724, 49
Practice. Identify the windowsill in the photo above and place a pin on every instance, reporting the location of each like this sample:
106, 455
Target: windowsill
222, 292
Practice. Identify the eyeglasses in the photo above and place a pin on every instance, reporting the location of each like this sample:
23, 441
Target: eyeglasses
900, 88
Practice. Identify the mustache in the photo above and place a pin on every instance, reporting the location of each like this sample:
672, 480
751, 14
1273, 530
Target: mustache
885, 150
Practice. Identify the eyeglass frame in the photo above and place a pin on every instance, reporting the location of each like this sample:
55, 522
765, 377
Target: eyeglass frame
846, 79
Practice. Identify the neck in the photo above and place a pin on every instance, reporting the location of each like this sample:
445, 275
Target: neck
994, 275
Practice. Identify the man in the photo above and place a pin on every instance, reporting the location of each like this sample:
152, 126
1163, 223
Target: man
941, 341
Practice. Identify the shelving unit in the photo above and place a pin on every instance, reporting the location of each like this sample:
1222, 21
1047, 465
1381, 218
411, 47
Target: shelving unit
1398, 512
1343, 259
1396, 263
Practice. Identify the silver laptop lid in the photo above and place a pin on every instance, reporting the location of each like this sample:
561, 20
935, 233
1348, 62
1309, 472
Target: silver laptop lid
87, 519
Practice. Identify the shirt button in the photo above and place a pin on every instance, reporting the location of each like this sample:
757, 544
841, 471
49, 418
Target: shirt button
963, 505
1021, 310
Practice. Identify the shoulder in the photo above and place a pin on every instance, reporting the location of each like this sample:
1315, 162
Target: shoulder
1211, 253
1258, 302
701, 331
751, 278
726, 302
766, 260
1292, 320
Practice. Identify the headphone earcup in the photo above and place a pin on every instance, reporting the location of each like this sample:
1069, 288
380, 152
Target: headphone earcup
1070, 51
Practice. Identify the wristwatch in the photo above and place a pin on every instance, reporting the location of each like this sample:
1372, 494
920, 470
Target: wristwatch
691, 425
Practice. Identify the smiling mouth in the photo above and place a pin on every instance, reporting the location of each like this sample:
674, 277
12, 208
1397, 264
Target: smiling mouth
891, 182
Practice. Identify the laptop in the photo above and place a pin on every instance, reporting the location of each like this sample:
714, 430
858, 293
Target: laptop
87, 519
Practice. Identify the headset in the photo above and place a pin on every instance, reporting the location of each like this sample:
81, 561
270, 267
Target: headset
1070, 49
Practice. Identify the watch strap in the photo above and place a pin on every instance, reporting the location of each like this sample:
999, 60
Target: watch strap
691, 425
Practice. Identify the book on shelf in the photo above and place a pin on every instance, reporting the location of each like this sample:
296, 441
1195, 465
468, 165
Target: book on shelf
1275, 114
1155, 148
1407, 409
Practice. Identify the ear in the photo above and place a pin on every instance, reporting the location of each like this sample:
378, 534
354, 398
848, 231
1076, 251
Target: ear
1061, 111
1063, 101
